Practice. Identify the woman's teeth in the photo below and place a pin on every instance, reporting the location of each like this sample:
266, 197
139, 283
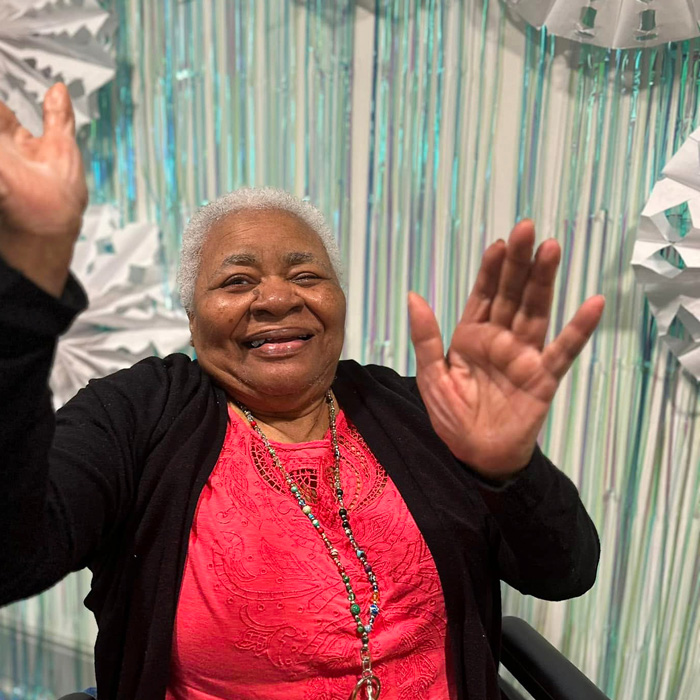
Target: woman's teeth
262, 341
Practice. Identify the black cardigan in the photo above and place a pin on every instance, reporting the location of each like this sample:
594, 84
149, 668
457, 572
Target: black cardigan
113, 481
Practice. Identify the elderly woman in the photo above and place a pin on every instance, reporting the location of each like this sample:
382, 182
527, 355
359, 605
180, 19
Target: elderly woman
268, 521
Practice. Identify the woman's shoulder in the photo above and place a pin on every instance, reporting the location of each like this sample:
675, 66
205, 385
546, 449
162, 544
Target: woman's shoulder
379, 376
151, 387
378, 372
175, 371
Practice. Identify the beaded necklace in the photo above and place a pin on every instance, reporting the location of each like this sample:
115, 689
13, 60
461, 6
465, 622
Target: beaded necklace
368, 682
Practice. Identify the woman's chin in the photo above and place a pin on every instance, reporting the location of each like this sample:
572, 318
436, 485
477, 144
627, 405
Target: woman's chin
282, 387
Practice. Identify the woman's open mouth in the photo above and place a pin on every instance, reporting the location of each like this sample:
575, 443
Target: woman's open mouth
259, 342
278, 342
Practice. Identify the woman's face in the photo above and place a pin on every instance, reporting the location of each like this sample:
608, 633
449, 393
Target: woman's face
268, 316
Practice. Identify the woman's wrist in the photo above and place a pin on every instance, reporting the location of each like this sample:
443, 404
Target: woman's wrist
42, 260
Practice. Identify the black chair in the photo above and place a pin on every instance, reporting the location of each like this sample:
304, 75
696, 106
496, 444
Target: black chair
541, 668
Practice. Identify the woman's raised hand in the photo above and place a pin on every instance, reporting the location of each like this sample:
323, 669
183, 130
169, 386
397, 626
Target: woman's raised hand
489, 396
42, 192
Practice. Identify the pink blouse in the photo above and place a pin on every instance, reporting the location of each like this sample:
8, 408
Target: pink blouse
263, 613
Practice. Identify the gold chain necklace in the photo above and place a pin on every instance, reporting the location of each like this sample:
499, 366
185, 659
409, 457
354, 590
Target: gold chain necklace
368, 683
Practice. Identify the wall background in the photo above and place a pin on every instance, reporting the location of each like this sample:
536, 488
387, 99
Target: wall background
424, 129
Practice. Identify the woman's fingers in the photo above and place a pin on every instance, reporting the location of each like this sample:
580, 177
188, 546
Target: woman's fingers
478, 305
8, 129
18, 144
560, 354
8, 121
22, 136
426, 338
59, 118
514, 274
531, 320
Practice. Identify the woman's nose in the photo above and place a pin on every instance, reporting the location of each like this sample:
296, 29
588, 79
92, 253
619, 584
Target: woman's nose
275, 296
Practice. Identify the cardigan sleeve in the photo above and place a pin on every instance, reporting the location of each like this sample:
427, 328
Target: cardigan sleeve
544, 541
547, 545
65, 479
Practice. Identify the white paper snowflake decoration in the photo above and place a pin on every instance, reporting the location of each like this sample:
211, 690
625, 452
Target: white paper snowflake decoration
43, 42
615, 24
666, 262
128, 317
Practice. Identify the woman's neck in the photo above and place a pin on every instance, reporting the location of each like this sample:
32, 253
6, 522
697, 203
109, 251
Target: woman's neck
306, 425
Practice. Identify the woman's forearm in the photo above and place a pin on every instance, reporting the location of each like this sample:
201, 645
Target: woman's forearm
44, 262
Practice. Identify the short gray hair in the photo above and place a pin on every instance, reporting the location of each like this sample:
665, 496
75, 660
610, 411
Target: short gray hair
246, 198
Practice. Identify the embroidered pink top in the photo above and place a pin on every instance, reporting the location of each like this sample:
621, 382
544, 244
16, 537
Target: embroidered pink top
263, 613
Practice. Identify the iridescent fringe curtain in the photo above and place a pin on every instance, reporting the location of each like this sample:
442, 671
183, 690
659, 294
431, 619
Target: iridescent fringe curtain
423, 129
479, 121
212, 95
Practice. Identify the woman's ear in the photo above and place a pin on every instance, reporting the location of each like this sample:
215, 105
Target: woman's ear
192, 323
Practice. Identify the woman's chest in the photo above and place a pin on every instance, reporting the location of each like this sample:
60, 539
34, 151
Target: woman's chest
264, 608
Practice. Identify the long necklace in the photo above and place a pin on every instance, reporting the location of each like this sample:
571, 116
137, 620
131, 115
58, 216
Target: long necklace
368, 683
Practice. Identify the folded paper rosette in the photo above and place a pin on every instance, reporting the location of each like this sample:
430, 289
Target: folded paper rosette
614, 24
666, 256
46, 41
130, 315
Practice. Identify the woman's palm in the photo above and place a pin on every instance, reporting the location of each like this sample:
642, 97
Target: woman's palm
489, 395
42, 182
493, 386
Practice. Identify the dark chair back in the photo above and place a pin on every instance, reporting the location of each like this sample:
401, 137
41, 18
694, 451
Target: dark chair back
541, 668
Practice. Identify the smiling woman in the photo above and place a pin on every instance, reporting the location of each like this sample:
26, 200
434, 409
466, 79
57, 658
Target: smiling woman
268, 314
269, 521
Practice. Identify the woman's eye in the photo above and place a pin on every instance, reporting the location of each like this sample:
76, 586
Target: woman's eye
306, 278
237, 281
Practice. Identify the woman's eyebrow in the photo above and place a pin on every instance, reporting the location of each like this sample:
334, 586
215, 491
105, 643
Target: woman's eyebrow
298, 258
290, 259
238, 259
